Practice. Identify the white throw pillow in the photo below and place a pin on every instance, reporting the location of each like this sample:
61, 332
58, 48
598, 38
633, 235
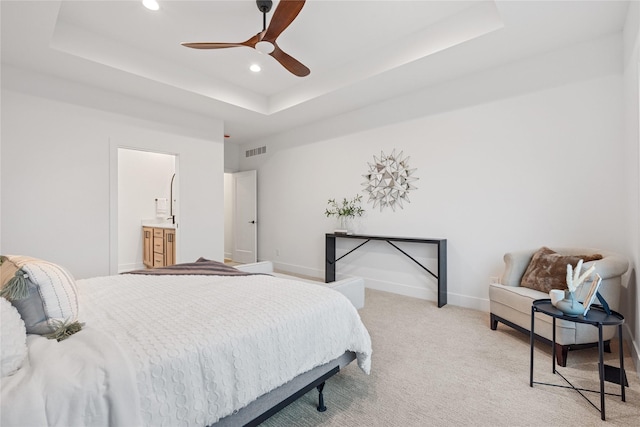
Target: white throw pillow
13, 336
44, 293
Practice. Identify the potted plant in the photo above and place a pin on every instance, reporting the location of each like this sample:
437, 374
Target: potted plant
344, 210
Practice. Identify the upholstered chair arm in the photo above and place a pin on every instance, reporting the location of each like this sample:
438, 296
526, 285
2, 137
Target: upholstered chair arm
516, 264
610, 266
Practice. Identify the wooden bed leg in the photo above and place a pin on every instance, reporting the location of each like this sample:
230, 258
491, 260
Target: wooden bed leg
562, 351
321, 407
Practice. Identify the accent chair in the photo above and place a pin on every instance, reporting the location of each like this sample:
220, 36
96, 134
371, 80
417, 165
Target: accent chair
510, 301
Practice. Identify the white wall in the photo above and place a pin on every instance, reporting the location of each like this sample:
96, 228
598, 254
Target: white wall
58, 179
231, 157
143, 177
631, 99
502, 166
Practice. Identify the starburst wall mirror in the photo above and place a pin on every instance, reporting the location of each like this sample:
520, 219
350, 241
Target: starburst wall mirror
389, 180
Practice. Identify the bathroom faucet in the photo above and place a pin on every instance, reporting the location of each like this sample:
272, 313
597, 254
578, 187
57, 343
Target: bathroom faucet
173, 216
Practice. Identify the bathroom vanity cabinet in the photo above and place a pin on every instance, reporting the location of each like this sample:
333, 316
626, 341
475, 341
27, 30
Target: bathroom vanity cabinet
158, 246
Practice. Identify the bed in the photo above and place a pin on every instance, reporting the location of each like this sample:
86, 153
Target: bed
184, 349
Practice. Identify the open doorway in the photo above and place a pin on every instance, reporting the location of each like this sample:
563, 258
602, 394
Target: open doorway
147, 194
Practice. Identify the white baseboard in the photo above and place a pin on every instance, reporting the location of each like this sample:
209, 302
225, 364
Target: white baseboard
130, 267
396, 288
634, 348
428, 294
480, 304
400, 289
297, 269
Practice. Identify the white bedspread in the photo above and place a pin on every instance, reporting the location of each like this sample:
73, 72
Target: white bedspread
203, 347
80, 382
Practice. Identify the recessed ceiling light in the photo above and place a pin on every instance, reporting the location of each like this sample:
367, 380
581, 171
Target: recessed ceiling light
255, 68
151, 4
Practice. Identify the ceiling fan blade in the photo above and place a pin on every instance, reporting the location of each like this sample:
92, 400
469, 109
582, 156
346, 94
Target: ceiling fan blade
206, 45
283, 16
289, 62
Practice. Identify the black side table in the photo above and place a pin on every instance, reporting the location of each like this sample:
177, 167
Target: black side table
596, 317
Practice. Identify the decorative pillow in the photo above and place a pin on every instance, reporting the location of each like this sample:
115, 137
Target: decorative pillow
548, 269
44, 293
13, 336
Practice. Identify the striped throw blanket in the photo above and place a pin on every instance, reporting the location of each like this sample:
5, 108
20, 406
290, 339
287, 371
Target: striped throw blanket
202, 267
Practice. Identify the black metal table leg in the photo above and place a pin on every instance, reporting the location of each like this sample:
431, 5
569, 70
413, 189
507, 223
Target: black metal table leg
532, 341
330, 259
622, 375
553, 348
601, 369
442, 273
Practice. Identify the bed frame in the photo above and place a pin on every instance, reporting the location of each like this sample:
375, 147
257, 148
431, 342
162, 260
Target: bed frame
269, 404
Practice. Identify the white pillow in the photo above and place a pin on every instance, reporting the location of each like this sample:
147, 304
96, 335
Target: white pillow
47, 299
13, 336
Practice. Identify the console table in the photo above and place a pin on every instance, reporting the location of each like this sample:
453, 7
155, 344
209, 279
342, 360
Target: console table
441, 277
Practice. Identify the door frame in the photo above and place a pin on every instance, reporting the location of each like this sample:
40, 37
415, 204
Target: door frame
235, 221
113, 195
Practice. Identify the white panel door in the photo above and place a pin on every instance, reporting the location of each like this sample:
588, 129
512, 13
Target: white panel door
245, 227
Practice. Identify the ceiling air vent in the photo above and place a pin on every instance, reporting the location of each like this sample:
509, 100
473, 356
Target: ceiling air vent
256, 151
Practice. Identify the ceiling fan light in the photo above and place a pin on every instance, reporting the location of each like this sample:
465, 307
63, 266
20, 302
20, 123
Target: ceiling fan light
255, 68
151, 4
265, 47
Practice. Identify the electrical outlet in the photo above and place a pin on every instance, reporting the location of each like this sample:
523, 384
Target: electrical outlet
494, 280
277, 252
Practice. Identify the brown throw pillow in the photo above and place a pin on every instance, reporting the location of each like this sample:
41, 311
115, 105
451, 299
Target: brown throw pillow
548, 269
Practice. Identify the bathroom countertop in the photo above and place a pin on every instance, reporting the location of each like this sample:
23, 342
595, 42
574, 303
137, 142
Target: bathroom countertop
158, 224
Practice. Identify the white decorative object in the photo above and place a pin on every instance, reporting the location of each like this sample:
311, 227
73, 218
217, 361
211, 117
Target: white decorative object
593, 292
574, 279
162, 207
570, 305
556, 295
389, 180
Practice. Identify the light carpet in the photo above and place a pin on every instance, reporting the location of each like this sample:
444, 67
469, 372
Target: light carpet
444, 366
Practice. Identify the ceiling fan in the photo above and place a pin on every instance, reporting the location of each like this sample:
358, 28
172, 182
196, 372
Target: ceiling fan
265, 41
